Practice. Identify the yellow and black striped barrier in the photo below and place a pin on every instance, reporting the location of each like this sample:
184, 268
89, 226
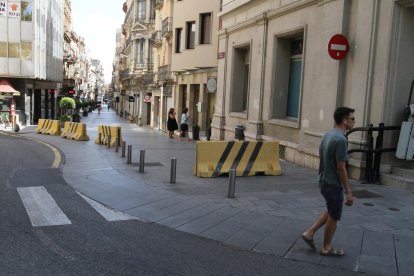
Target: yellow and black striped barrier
46, 126
215, 158
75, 131
114, 131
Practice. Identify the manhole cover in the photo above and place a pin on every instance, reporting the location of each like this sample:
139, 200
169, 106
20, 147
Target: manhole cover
393, 209
149, 164
368, 204
364, 194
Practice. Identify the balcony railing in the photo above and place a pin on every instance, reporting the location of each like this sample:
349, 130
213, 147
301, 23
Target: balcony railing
167, 27
124, 73
164, 73
157, 39
128, 42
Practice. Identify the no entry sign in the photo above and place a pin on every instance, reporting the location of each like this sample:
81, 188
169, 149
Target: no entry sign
338, 47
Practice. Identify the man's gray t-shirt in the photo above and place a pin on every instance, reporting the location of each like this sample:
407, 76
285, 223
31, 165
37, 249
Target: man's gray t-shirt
333, 148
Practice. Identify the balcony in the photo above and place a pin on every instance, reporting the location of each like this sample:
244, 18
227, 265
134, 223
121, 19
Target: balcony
159, 4
157, 39
124, 74
164, 73
127, 43
166, 29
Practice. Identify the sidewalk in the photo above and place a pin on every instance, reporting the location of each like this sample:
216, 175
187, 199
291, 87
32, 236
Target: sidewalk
268, 214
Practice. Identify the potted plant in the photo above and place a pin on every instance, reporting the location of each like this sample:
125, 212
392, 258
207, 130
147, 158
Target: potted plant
63, 119
67, 103
85, 107
196, 132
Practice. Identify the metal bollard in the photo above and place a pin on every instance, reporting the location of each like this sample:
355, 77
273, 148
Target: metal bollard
100, 138
108, 141
141, 160
173, 170
232, 183
116, 144
123, 149
129, 157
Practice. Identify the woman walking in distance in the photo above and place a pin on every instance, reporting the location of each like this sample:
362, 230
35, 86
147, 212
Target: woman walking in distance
184, 124
171, 123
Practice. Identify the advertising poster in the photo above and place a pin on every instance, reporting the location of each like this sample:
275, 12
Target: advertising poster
14, 9
3, 10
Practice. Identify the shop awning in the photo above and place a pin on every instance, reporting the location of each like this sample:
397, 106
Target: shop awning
7, 90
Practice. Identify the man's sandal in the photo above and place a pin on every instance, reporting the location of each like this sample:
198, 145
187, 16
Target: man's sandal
334, 252
309, 242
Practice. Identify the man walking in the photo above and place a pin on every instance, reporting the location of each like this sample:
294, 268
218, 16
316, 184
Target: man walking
333, 178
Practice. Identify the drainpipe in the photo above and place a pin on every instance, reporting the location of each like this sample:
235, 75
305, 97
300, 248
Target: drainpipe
223, 106
342, 63
262, 80
371, 61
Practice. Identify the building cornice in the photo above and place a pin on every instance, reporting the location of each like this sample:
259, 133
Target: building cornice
267, 15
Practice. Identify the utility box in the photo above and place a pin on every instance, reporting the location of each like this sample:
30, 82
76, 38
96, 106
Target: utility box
405, 148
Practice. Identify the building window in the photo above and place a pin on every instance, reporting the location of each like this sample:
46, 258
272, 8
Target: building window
178, 37
190, 35
240, 79
26, 11
287, 77
205, 28
142, 10
140, 51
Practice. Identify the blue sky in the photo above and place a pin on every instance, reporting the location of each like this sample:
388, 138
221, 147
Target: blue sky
97, 21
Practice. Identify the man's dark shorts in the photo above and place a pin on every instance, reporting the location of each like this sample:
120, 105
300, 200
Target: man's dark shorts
334, 198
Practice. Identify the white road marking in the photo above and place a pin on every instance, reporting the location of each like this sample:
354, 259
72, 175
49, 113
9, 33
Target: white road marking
41, 207
105, 212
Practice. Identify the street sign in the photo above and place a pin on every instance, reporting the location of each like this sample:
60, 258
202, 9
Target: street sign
338, 47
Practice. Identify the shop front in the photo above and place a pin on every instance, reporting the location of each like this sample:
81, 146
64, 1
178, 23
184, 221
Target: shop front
8, 115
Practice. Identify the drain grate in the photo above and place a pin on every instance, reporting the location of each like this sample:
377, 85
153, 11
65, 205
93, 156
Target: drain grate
364, 194
149, 164
282, 152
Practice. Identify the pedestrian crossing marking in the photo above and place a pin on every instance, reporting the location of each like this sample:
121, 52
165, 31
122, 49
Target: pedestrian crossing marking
105, 212
41, 208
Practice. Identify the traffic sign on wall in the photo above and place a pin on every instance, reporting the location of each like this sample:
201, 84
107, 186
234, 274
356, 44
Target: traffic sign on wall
338, 47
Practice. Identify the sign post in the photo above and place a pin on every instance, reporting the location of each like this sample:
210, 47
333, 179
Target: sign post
338, 47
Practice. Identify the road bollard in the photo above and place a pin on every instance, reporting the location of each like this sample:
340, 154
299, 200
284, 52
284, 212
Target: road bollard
232, 183
141, 160
116, 144
129, 157
108, 141
123, 149
100, 138
173, 173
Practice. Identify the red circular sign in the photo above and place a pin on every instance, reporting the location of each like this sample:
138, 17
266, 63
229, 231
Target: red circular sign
338, 47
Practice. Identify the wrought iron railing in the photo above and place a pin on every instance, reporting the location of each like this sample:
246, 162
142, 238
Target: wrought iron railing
373, 155
167, 26
124, 73
164, 73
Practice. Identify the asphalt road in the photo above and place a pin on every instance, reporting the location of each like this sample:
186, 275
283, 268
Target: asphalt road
92, 245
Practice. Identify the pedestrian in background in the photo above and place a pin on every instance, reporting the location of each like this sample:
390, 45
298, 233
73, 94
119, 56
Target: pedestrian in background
333, 178
171, 123
184, 124
108, 106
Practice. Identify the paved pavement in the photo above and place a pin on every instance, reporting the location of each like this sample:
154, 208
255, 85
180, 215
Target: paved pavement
268, 214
